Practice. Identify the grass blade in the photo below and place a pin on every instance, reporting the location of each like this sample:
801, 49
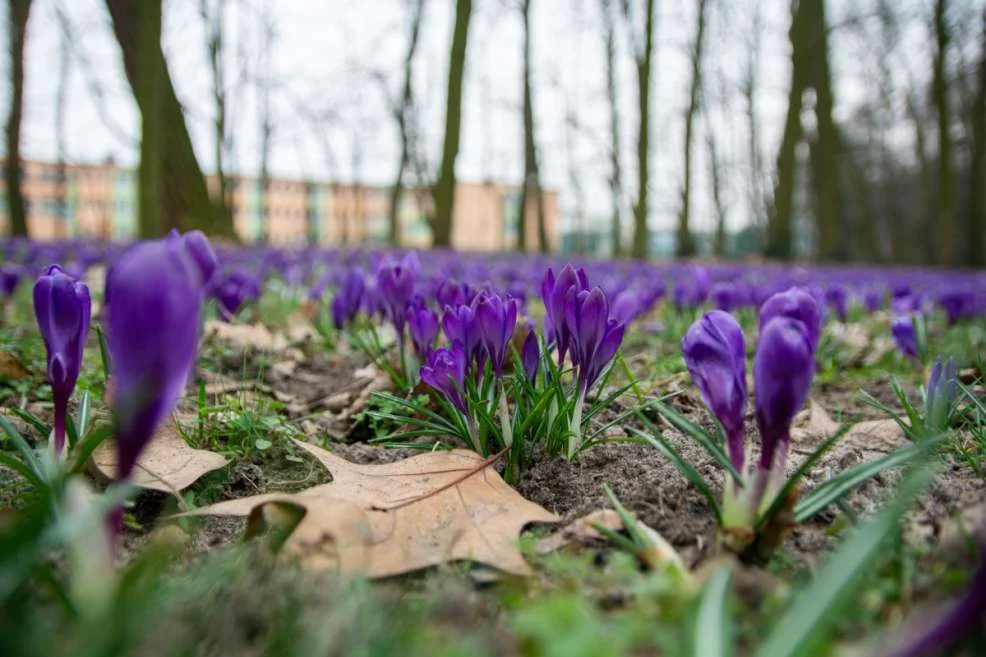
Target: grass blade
15, 437
846, 481
714, 633
801, 629
701, 437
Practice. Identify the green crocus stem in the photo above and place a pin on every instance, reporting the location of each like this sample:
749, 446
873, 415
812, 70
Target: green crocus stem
506, 427
473, 433
61, 411
575, 428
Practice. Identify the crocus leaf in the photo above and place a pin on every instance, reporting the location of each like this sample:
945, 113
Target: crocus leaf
800, 630
657, 440
714, 632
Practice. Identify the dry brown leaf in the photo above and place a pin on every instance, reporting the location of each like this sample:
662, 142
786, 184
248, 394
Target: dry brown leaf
875, 437
244, 336
167, 464
386, 519
11, 368
581, 531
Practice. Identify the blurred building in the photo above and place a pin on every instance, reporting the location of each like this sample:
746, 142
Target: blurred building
100, 201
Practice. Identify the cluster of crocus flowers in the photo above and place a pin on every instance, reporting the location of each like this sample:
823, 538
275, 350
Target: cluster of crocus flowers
63, 309
715, 354
154, 295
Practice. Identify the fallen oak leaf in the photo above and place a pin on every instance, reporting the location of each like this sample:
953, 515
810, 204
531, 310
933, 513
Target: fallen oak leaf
167, 464
11, 368
580, 532
417, 513
874, 438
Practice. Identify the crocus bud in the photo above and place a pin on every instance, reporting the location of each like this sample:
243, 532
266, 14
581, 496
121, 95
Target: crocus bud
348, 298
10, 276
554, 293
496, 320
233, 290
530, 356
783, 369
626, 306
797, 304
154, 294
395, 287
460, 325
725, 296
445, 371
837, 297
873, 299
715, 355
452, 293
423, 325
594, 337
62, 308
939, 394
902, 328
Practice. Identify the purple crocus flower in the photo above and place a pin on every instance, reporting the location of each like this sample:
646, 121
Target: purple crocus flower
445, 371
348, 298
63, 309
902, 328
783, 369
422, 323
837, 297
626, 306
554, 294
726, 296
10, 276
595, 338
452, 293
233, 290
530, 356
873, 299
955, 304
496, 320
154, 295
395, 287
715, 354
460, 325
797, 304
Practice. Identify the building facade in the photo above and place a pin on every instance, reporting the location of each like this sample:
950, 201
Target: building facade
99, 201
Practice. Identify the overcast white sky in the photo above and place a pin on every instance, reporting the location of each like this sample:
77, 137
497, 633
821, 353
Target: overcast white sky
327, 52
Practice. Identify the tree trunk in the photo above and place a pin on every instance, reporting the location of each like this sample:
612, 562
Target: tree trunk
148, 92
754, 154
266, 124
715, 176
19, 10
61, 143
831, 243
445, 185
531, 188
214, 44
779, 226
403, 115
977, 184
641, 235
945, 242
685, 242
612, 97
923, 251
184, 194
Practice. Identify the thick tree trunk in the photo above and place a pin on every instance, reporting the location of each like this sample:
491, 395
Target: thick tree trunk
685, 242
831, 242
148, 94
61, 144
445, 185
19, 10
403, 115
779, 227
184, 194
641, 234
977, 184
945, 242
754, 154
612, 97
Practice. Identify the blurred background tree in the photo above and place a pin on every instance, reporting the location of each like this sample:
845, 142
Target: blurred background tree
834, 130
